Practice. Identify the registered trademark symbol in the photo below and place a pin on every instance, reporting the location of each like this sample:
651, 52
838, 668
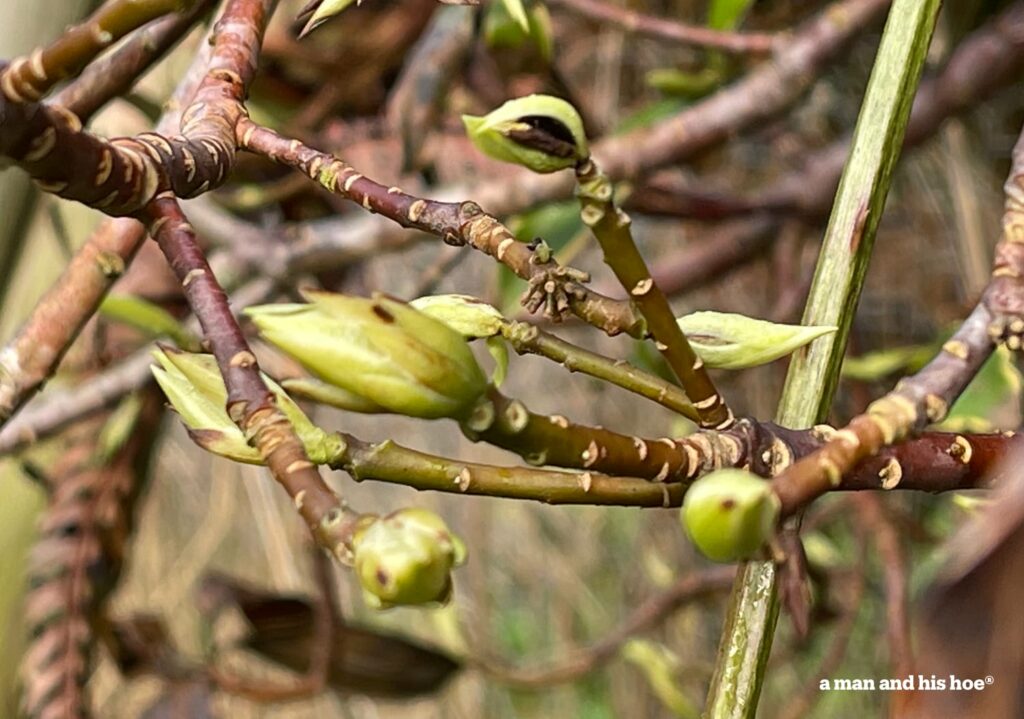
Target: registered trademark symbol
989, 679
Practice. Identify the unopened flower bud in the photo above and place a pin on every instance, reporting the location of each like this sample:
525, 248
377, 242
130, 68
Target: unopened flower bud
540, 132
729, 514
379, 348
406, 557
732, 341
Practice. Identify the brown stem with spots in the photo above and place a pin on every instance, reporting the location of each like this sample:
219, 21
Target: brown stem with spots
250, 403
925, 397
115, 73
121, 176
558, 289
554, 440
611, 227
33, 355
28, 78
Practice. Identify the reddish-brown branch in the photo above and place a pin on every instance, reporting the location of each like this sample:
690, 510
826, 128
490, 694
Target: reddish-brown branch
556, 288
670, 30
114, 74
250, 402
27, 79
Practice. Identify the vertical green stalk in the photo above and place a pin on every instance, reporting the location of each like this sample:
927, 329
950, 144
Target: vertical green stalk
811, 382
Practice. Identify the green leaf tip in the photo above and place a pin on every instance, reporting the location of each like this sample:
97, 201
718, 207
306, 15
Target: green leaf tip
732, 341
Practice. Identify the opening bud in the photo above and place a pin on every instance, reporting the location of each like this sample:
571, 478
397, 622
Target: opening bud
540, 132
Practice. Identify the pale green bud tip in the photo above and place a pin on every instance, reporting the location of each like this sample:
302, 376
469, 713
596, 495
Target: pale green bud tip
540, 132
382, 349
470, 317
729, 514
406, 558
732, 341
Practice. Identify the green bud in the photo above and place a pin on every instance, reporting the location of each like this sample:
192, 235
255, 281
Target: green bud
518, 13
378, 348
195, 388
731, 341
406, 557
470, 317
729, 514
540, 132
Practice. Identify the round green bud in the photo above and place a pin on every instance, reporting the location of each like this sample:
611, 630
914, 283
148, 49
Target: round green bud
406, 558
729, 514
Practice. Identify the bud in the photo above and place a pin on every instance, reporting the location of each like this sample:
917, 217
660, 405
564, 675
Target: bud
731, 341
406, 557
540, 132
379, 348
320, 11
195, 388
729, 514
470, 317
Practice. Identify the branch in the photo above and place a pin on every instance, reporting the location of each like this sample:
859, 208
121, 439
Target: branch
27, 79
611, 227
670, 30
115, 73
250, 402
457, 223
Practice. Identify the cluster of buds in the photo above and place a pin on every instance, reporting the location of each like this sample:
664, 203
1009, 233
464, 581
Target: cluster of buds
406, 558
730, 514
382, 353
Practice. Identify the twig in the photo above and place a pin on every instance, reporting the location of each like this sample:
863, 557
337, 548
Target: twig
530, 339
29, 78
611, 227
113, 74
250, 402
556, 288
663, 29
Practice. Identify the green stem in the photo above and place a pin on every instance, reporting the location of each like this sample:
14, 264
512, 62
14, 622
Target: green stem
389, 462
611, 227
811, 381
529, 339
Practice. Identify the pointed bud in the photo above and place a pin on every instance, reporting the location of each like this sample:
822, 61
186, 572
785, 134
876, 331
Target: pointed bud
380, 348
729, 514
406, 557
540, 132
319, 12
470, 317
731, 341
195, 388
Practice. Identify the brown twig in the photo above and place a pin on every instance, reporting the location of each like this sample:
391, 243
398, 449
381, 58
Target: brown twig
669, 30
250, 402
556, 288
